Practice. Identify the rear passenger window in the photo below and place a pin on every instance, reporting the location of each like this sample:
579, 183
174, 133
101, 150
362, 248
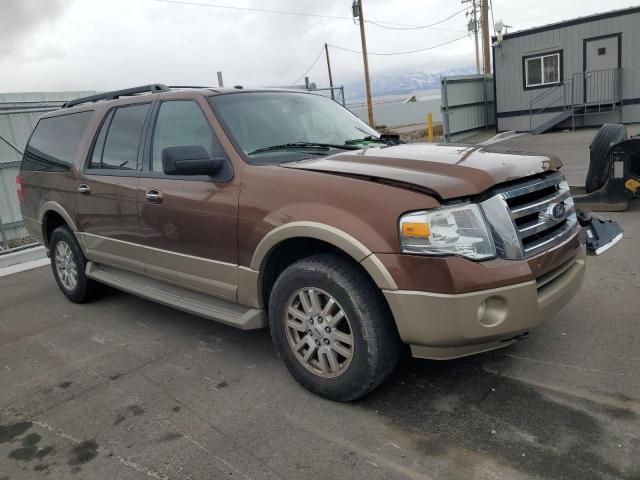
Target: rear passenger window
118, 141
55, 141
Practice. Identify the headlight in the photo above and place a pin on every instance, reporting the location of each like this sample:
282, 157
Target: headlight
459, 230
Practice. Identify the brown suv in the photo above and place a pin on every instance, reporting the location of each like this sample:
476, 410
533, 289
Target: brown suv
280, 208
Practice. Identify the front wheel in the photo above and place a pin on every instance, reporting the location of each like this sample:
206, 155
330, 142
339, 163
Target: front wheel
332, 327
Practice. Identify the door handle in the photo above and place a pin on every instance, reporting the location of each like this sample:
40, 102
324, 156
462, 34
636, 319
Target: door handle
153, 196
84, 189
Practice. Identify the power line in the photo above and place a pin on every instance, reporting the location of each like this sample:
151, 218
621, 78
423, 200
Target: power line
309, 69
379, 23
401, 53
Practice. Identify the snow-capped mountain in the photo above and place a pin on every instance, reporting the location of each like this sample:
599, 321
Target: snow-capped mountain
401, 83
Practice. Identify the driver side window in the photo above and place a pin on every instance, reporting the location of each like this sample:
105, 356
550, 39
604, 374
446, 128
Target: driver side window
180, 123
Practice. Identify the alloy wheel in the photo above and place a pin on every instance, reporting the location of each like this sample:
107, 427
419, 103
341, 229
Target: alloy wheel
319, 332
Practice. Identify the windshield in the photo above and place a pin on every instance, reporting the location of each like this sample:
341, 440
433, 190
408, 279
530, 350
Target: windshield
260, 120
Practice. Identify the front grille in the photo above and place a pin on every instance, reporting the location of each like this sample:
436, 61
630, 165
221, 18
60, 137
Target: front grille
542, 216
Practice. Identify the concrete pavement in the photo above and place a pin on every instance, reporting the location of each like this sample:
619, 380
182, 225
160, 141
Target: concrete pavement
124, 388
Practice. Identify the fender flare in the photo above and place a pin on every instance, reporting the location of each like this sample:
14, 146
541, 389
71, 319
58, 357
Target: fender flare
326, 233
51, 206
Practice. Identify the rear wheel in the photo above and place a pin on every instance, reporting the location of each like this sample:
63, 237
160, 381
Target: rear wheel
68, 264
332, 328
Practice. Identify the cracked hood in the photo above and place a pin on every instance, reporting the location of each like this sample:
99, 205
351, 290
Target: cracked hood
447, 171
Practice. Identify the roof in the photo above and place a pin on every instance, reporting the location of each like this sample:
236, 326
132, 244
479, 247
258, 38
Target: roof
574, 21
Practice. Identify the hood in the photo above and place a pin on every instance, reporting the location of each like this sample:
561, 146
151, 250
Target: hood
446, 171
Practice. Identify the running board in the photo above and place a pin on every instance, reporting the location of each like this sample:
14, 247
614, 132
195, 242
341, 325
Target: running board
196, 303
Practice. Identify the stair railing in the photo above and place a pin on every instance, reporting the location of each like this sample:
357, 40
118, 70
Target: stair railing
562, 92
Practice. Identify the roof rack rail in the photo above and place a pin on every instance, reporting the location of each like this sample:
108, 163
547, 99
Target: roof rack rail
189, 86
152, 88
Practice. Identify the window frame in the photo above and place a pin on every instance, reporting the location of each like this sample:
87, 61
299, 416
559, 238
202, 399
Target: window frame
541, 56
225, 175
108, 116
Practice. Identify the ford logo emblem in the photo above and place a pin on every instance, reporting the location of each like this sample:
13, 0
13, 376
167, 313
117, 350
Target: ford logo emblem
557, 211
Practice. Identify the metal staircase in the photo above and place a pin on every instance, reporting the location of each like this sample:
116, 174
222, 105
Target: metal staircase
586, 93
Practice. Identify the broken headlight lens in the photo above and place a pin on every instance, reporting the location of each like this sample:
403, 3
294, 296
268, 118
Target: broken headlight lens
459, 230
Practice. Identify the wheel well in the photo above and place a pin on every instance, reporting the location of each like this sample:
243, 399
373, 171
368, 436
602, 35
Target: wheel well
288, 252
51, 221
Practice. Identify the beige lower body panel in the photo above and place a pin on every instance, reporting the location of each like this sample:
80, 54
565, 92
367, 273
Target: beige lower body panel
200, 274
207, 306
442, 326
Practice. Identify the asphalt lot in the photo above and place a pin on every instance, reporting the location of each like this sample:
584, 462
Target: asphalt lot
570, 147
122, 388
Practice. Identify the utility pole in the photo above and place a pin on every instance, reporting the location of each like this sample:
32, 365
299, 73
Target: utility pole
472, 26
475, 33
486, 58
357, 4
326, 52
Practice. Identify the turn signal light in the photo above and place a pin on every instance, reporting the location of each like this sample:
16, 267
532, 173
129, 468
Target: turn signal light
416, 230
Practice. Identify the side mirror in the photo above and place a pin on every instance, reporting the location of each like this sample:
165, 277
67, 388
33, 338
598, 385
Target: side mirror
190, 160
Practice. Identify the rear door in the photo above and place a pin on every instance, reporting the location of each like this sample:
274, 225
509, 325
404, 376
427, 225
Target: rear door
107, 189
189, 223
602, 60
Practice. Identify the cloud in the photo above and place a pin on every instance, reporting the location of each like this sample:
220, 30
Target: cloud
21, 18
107, 44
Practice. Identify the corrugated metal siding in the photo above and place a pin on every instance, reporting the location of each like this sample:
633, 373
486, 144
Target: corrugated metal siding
467, 104
508, 59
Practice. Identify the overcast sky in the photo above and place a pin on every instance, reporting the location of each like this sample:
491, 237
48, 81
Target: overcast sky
52, 45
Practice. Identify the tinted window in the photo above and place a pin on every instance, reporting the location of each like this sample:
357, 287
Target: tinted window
55, 142
179, 124
123, 133
96, 156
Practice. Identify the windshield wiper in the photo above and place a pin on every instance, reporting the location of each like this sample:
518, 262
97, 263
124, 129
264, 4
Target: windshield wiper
304, 146
385, 139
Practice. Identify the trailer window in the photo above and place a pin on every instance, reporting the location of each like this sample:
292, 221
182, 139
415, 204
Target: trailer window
542, 70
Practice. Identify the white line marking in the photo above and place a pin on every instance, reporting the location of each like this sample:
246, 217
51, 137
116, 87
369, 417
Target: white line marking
564, 365
22, 267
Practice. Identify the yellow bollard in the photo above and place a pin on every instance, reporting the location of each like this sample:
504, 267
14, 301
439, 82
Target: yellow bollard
430, 127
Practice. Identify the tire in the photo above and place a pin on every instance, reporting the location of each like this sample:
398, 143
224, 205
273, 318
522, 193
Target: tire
375, 344
608, 135
82, 289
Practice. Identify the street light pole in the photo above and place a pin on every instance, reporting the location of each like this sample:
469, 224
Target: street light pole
365, 59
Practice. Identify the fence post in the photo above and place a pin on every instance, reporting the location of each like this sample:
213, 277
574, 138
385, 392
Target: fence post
430, 127
486, 110
5, 240
445, 109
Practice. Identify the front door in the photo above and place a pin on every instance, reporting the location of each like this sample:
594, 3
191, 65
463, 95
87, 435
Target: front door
601, 56
107, 189
189, 223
